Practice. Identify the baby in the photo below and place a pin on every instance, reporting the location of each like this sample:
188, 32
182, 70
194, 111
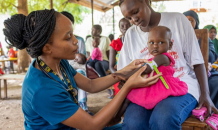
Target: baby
159, 42
79, 62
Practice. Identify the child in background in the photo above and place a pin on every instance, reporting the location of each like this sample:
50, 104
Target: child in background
79, 65
96, 53
79, 62
159, 43
116, 46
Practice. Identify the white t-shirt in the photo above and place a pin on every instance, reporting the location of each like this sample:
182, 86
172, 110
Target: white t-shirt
185, 50
104, 46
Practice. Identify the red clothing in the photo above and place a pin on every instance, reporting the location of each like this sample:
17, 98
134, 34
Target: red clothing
11, 53
96, 54
117, 44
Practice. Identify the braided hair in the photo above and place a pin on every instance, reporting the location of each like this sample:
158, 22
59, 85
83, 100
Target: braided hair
31, 32
68, 15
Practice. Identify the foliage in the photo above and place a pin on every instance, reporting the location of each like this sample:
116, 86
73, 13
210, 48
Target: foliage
10, 7
158, 6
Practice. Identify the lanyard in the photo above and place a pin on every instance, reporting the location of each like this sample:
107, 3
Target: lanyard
46, 69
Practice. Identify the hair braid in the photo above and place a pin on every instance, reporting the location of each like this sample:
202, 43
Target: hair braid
13, 31
37, 29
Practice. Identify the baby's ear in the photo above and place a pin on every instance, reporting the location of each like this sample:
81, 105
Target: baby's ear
171, 44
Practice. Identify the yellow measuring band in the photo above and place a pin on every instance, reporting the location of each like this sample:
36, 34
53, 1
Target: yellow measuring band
161, 77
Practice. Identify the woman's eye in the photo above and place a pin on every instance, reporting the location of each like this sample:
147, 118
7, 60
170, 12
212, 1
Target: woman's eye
69, 37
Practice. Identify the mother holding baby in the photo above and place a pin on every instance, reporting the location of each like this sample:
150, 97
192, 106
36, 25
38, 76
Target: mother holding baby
170, 113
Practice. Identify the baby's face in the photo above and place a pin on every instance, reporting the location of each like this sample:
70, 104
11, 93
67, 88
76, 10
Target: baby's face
78, 59
158, 42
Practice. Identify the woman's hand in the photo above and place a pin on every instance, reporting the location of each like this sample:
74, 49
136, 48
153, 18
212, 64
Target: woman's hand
206, 101
137, 80
124, 73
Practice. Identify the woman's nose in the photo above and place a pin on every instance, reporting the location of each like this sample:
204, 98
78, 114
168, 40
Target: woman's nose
135, 19
75, 41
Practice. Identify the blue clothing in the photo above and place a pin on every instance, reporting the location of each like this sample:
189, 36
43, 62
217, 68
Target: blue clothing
82, 95
82, 46
212, 80
45, 102
168, 114
114, 127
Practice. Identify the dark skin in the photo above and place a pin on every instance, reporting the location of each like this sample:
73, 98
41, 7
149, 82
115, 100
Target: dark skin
192, 20
212, 33
159, 41
63, 45
141, 14
78, 59
96, 33
124, 25
96, 41
197, 69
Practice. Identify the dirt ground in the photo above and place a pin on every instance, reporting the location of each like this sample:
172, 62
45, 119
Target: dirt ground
11, 115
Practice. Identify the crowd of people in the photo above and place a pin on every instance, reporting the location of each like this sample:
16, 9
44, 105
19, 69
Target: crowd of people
54, 92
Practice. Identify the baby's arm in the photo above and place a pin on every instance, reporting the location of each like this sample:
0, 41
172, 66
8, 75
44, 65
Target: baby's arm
159, 59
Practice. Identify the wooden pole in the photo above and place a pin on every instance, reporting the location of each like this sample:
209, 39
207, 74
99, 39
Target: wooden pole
113, 22
92, 12
51, 4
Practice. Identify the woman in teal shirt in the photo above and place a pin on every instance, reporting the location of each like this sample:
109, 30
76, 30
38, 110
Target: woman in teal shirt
49, 92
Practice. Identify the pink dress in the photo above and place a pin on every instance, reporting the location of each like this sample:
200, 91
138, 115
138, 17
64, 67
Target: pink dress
148, 97
96, 54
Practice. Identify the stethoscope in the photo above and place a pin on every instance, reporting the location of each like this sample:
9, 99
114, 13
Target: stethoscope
68, 90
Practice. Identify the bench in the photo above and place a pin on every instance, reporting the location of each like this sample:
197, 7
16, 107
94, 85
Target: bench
6, 77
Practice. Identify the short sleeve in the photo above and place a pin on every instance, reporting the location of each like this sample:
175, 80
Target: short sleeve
124, 58
82, 48
53, 103
107, 44
190, 46
88, 42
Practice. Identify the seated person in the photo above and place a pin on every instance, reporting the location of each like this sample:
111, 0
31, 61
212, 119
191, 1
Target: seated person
101, 66
212, 35
116, 46
213, 74
79, 65
159, 43
96, 53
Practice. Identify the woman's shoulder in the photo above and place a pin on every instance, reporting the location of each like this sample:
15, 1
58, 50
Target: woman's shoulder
172, 15
172, 18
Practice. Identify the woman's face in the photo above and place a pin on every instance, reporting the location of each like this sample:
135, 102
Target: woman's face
192, 20
63, 43
124, 25
212, 33
137, 12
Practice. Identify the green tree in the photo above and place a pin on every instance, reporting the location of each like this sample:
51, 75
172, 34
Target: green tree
25, 6
10, 7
